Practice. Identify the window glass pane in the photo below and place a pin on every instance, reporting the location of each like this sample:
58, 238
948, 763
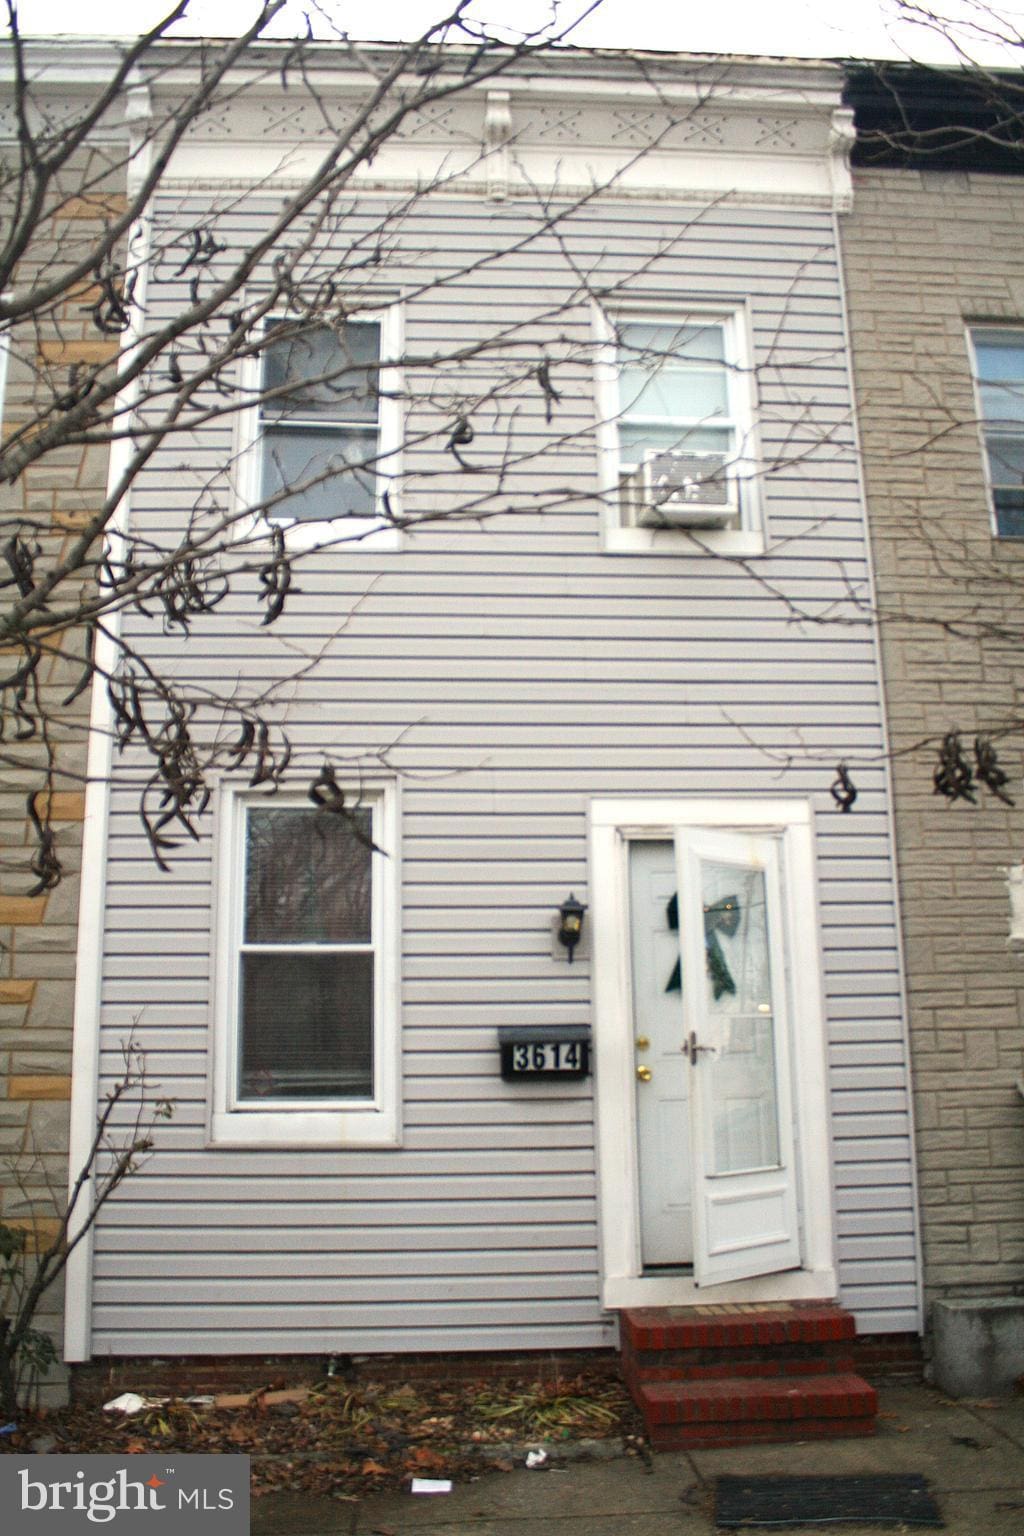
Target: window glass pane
999, 356
348, 388
737, 1001
295, 455
1003, 402
635, 441
306, 1026
694, 392
1006, 460
308, 877
642, 345
1010, 513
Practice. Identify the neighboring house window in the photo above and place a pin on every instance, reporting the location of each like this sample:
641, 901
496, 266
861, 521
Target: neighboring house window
305, 1014
677, 429
328, 427
999, 372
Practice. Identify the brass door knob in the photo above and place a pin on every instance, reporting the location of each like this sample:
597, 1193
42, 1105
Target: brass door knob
642, 1043
644, 1074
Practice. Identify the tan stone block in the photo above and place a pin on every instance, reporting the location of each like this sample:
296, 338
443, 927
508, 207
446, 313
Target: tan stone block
48, 1128
72, 522
22, 911
102, 207
62, 352
62, 805
984, 1244
41, 1230
17, 991
45, 1087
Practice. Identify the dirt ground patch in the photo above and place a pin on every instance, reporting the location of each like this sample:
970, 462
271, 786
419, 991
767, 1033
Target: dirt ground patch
348, 1439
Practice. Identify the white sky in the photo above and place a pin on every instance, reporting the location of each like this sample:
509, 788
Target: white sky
809, 28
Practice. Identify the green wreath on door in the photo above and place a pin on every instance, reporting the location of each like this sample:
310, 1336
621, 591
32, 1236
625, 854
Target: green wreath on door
721, 916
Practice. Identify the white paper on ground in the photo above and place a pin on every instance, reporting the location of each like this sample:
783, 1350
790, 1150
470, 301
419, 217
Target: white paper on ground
430, 1485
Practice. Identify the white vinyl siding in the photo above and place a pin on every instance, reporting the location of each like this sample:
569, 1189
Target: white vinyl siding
516, 673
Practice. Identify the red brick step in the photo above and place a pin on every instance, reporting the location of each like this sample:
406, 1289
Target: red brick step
734, 1411
725, 1375
714, 1437
812, 1322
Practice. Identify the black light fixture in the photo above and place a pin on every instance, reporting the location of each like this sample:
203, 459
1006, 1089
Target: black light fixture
570, 923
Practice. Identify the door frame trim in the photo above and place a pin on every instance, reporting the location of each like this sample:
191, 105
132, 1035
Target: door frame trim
613, 823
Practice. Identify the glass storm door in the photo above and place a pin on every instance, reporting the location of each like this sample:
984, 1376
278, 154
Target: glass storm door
735, 1043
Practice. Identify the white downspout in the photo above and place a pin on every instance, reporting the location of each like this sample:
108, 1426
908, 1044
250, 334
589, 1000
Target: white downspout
92, 899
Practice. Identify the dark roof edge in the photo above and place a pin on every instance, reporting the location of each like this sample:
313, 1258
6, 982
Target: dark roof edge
919, 117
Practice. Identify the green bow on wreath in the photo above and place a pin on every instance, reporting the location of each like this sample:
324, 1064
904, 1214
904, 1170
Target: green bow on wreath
720, 917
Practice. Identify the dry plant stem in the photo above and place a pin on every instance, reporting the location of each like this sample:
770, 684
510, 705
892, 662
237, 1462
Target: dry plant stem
115, 1153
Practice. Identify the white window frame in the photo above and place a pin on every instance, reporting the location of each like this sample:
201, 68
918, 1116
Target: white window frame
973, 330
614, 824
620, 538
371, 1122
343, 533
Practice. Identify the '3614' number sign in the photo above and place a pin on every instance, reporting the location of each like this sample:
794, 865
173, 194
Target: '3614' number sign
531, 1051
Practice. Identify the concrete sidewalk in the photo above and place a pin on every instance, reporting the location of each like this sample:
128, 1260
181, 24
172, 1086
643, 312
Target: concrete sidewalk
972, 1455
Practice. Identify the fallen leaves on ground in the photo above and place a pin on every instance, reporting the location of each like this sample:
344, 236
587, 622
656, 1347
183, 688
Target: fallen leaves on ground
345, 1438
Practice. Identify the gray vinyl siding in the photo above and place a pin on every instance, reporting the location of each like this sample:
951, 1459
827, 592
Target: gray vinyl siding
513, 671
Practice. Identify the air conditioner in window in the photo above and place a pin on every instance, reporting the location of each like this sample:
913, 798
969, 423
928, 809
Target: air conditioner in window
686, 490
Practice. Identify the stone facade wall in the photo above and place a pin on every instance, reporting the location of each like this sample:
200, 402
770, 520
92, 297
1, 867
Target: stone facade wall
38, 933
925, 254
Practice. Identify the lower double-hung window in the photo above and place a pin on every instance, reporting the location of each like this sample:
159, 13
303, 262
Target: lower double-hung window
305, 1027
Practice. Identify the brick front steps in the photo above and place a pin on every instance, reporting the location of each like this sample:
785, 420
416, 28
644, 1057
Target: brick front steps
728, 1375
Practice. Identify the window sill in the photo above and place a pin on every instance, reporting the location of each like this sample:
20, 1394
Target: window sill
299, 1128
343, 534
738, 542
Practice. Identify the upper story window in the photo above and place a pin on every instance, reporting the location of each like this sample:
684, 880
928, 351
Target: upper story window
999, 373
676, 406
306, 1027
327, 428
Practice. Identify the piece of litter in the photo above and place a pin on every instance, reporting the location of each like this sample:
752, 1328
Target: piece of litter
535, 1459
9, 1429
430, 1485
131, 1402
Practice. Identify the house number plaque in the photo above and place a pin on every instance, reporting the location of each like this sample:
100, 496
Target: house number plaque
537, 1051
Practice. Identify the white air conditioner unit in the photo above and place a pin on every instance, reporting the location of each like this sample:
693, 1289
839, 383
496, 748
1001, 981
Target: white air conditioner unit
686, 490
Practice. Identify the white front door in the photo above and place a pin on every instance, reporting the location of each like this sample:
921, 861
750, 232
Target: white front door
663, 1075
714, 1119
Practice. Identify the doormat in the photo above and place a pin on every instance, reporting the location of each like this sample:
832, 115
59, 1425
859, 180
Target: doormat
895, 1498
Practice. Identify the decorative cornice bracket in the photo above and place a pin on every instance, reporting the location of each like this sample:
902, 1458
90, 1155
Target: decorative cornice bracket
841, 139
497, 136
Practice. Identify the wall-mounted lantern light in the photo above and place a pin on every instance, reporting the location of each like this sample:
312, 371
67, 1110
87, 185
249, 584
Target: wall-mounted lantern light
570, 923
